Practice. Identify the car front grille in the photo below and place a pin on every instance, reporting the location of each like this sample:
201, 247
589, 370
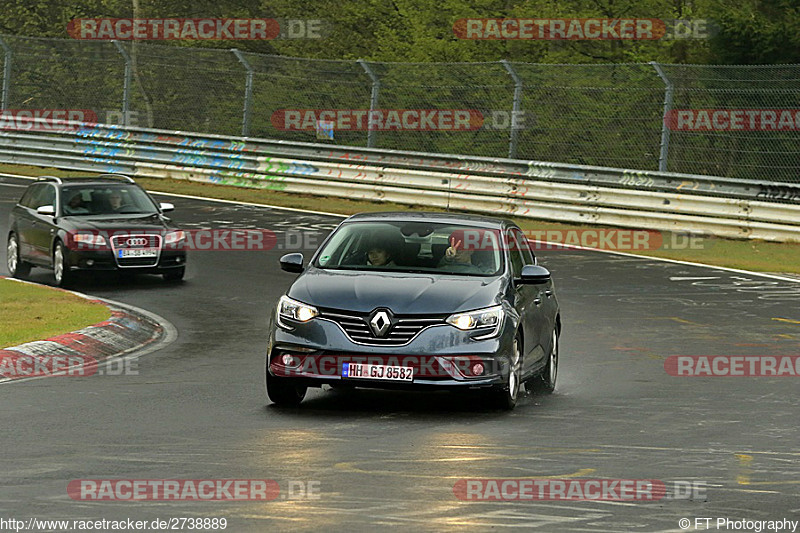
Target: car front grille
136, 242
403, 330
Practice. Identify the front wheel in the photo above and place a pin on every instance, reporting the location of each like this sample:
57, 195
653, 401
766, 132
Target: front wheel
506, 396
285, 392
17, 268
61, 271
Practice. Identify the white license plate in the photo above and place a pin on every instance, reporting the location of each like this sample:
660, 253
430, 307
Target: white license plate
137, 252
382, 372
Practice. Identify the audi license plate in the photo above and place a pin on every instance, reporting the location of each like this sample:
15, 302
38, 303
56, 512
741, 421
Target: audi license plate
137, 252
384, 372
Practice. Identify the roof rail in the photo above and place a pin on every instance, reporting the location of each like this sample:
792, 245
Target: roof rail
123, 176
49, 178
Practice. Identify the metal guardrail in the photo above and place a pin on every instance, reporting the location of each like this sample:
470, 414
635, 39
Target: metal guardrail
551, 191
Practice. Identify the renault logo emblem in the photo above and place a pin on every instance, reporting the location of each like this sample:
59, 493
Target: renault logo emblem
380, 322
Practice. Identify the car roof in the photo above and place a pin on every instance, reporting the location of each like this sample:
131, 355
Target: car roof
428, 216
104, 179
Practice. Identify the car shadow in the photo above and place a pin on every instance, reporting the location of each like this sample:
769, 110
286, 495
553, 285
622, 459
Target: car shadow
102, 280
366, 403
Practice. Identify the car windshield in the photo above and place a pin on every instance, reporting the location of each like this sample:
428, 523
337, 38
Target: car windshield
413, 247
122, 199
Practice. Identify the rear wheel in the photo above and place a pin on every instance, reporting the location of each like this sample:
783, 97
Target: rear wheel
506, 396
546, 381
17, 268
61, 271
285, 392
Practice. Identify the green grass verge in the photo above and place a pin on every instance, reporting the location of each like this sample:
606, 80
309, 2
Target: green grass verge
754, 255
33, 312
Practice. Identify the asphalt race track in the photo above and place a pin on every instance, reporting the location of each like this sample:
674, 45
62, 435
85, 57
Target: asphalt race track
197, 408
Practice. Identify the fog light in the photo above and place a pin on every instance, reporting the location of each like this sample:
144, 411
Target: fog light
288, 360
89, 262
477, 369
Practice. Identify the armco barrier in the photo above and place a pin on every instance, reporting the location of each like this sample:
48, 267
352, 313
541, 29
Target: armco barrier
550, 191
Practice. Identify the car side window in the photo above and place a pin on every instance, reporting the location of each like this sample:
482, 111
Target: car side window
514, 254
27, 198
527, 255
40, 194
47, 196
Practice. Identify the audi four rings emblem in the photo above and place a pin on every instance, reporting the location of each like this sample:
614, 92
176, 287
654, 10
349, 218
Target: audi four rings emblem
136, 241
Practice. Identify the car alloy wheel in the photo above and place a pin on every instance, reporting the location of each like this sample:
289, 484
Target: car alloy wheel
552, 364
507, 395
60, 267
514, 374
546, 381
16, 267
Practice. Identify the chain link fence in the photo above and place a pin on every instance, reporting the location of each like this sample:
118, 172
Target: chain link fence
607, 115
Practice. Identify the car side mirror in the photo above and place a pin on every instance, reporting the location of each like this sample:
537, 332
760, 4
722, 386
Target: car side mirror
166, 206
292, 263
534, 275
48, 210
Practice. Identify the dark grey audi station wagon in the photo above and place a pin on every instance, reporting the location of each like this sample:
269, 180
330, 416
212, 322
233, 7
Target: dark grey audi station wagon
416, 301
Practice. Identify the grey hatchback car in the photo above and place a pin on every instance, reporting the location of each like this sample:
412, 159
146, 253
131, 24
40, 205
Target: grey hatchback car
416, 301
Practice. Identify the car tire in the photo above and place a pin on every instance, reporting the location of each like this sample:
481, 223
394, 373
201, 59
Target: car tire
61, 271
546, 381
17, 268
506, 396
176, 275
285, 392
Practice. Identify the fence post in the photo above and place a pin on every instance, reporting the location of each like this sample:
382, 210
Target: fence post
512, 139
373, 101
664, 154
248, 92
6, 75
126, 86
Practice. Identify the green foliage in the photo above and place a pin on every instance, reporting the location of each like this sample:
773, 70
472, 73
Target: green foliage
590, 102
746, 32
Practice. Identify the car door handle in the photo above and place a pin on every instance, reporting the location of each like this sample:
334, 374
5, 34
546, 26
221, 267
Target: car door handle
537, 301
548, 293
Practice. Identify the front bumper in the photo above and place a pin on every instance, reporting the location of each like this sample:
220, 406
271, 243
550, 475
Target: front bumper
104, 260
442, 357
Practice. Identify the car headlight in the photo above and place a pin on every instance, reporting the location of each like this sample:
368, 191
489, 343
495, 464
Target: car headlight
89, 239
480, 319
174, 237
294, 310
